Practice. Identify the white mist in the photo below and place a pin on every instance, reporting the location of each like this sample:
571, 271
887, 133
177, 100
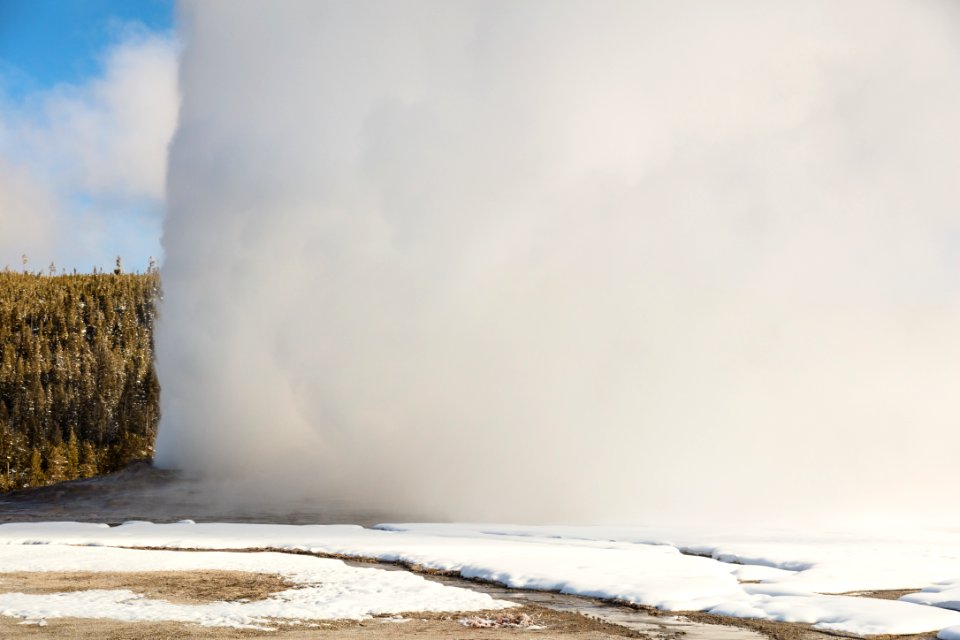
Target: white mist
587, 260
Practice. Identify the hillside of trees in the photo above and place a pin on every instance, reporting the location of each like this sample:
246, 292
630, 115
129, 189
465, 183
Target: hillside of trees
78, 391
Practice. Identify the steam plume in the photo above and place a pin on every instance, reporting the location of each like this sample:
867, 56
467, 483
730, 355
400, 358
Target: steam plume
596, 260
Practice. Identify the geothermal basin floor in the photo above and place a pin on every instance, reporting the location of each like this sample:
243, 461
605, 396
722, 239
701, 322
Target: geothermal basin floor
781, 583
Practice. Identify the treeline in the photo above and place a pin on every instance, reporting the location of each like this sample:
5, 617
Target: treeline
78, 391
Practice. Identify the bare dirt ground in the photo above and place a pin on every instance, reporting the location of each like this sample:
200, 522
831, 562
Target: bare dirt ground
421, 629
887, 594
181, 587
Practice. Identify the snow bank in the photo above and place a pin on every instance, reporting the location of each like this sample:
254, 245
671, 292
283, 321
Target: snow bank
946, 595
843, 614
821, 562
950, 633
772, 575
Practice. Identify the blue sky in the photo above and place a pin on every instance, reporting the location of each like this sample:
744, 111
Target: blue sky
51, 41
87, 103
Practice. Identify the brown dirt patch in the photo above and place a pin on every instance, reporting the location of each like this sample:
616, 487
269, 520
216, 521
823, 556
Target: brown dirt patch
418, 626
886, 594
182, 587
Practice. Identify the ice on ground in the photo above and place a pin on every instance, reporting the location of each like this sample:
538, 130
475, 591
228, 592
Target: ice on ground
326, 588
773, 575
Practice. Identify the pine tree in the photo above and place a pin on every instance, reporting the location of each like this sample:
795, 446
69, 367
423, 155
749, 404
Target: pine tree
73, 456
88, 460
56, 464
36, 477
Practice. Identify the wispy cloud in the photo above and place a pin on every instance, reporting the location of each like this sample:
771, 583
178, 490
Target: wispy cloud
85, 164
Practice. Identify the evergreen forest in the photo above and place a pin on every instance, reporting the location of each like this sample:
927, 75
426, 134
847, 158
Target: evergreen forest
78, 391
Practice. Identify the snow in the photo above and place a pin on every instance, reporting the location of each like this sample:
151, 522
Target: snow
843, 614
776, 575
822, 562
652, 575
950, 633
946, 595
325, 588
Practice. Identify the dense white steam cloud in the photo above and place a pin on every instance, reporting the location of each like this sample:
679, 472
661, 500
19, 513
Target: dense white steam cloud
546, 259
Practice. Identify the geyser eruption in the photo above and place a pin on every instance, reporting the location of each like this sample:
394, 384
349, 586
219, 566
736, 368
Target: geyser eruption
567, 260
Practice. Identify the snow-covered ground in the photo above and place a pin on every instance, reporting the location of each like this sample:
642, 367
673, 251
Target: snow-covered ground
323, 588
786, 576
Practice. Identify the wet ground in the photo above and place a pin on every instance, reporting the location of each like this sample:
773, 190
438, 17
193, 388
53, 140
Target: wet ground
649, 623
142, 492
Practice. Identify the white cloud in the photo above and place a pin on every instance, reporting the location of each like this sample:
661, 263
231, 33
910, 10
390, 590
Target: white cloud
26, 215
97, 152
